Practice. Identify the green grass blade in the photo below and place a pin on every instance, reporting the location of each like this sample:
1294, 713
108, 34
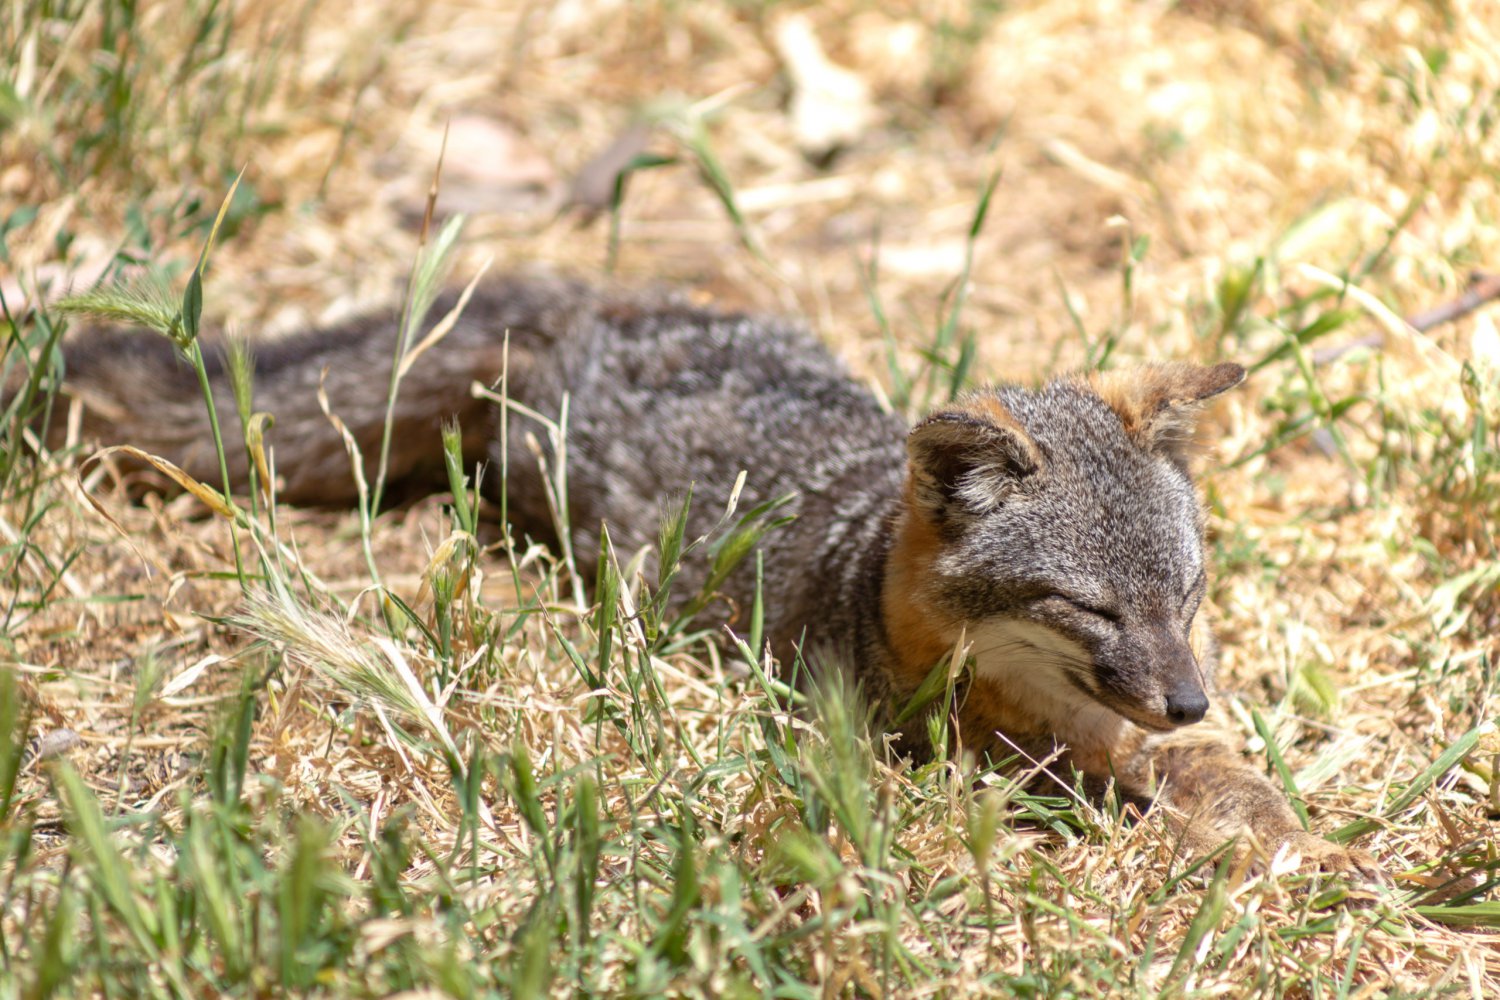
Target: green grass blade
1445, 762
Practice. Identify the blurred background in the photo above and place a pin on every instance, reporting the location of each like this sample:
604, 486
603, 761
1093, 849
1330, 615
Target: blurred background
853, 139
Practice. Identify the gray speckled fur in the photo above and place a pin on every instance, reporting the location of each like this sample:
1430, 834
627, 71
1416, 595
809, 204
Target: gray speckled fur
663, 395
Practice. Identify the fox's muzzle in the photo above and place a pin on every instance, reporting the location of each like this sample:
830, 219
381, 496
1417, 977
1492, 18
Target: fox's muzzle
1184, 699
1164, 688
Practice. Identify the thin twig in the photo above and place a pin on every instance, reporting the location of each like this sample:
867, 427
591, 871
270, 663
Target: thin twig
1483, 288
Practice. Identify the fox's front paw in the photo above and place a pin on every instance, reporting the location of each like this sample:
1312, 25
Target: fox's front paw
1336, 859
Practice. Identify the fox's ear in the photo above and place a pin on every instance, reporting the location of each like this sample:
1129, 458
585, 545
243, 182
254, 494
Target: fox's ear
1158, 404
967, 458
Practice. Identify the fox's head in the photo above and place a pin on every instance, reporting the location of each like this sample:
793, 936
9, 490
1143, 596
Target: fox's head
1058, 527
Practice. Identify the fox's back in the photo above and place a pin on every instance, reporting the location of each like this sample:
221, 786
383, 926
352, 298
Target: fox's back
663, 396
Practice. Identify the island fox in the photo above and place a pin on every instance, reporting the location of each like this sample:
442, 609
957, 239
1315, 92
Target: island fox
1055, 530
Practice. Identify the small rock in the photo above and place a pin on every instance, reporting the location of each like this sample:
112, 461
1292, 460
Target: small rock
831, 106
55, 744
488, 167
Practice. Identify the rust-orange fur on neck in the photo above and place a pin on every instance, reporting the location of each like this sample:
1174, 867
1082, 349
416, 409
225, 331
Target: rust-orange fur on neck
919, 634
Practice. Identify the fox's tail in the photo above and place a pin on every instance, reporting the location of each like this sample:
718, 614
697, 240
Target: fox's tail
134, 388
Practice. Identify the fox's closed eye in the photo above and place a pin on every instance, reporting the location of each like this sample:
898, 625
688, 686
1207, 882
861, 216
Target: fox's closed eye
1098, 612
1088, 608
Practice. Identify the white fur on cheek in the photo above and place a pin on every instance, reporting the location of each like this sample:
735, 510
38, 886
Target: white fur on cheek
1026, 661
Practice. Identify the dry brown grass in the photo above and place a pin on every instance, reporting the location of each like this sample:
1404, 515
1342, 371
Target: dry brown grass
1225, 133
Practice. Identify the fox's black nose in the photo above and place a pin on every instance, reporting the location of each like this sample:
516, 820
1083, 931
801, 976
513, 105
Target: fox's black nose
1186, 703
